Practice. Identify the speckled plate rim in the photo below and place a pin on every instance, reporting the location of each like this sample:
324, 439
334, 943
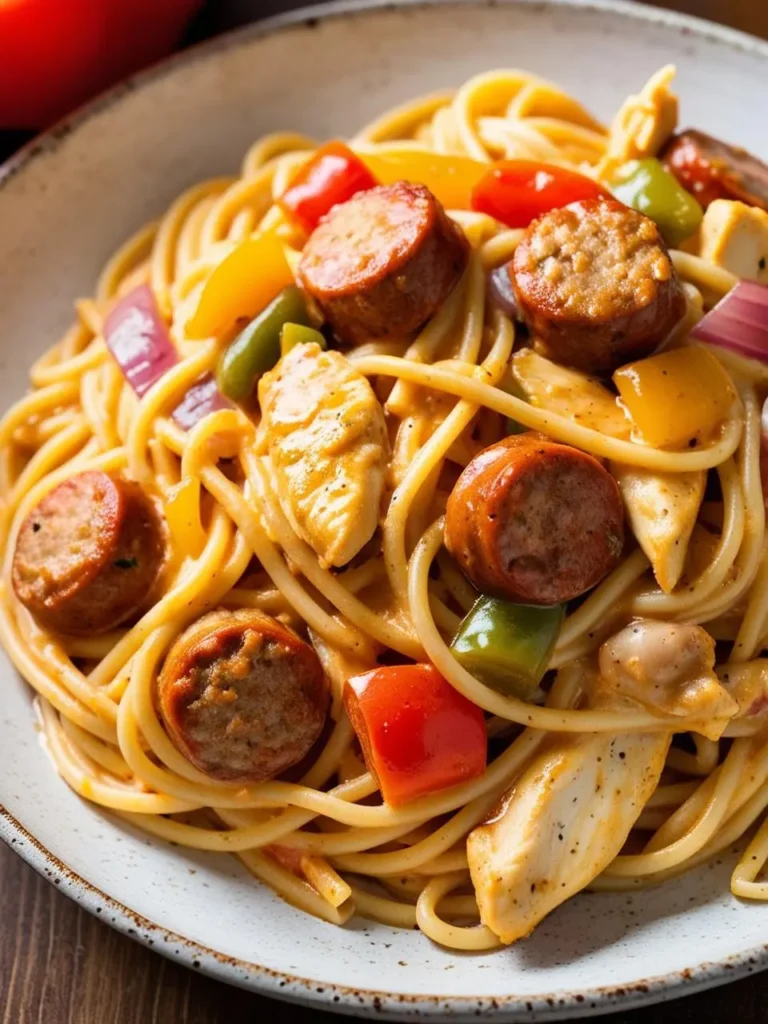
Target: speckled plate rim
244, 974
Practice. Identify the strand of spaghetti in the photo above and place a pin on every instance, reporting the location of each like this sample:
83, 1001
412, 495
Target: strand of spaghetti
748, 638
472, 938
56, 450
48, 687
482, 91
734, 828
75, 366
383, 908
458, 586
252, 837
752, 862
96, 412
304, 558
130, 255
75, 339
268, 146
425, 346
165, 394
747, 563
321, 876
749, 369
163, 258
501, 247
254, 191
103, 754
474, 313
703, 762
556, 426
672, 795
604, 600
186, 252
55, 661
190, 592
400, 121
47, 399
32, 435
706, 826
78, 772
294, 890
268, 555
430, 456
400, 862
327, 844
510, 708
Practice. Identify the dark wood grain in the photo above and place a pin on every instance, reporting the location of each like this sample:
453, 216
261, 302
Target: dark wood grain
59, 965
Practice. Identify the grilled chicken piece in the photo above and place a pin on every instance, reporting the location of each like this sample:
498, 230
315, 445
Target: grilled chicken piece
643, 124
570, 393
571, 809
668, 668
562, 823
735, 236
327, 439
662, 509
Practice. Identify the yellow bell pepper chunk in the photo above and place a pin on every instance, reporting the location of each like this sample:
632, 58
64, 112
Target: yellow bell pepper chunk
449, 178
678, 399
182, 513
242, 285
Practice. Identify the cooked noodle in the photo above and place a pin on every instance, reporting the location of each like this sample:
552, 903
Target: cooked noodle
407, 866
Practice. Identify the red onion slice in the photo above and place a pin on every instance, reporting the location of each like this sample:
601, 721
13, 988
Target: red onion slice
138, 339
739, 322
201, 399
501, 291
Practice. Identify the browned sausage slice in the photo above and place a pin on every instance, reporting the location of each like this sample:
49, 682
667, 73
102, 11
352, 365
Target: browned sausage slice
88, 554
711, 169
242, 696
535, 521
383, 262
596, 286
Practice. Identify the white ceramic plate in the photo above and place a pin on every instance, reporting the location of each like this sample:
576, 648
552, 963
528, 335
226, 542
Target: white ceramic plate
65, 204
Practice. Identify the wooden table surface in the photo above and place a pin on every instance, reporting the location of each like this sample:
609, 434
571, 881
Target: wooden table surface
59, 965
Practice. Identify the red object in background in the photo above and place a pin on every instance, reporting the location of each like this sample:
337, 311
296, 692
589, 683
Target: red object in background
55, 54
418, 734
332, 176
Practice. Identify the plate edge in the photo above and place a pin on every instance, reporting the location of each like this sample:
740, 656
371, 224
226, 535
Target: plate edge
254, 977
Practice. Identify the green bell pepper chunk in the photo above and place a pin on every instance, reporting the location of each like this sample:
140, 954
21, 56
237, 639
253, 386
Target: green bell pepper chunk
649, 188
292, 335
257, 348
507, 646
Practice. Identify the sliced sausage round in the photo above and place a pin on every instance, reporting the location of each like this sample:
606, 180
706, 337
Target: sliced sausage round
596, 285
242, 696
535, 521
711, 169
88, 555
383, 262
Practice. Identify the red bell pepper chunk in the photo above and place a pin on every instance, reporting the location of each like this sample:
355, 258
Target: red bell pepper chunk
516, 192
333, 175
417, 733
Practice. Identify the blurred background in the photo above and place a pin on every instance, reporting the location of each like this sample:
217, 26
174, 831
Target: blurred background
56, 54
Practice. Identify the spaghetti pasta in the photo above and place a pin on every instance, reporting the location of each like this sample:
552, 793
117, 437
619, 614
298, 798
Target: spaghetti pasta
322, 840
